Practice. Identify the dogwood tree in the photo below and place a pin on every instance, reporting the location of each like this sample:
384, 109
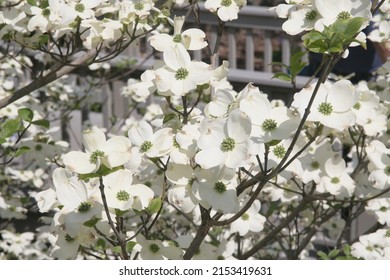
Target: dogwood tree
206, 171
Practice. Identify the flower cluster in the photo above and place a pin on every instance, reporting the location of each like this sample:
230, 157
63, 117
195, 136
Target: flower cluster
304, 15
54, 19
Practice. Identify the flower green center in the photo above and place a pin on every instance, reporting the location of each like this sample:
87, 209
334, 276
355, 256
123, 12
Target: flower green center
84, 207
146, 146
315, 165
311, 15
79, 7
335, 180
154, 247
68, 238
369, 248
279, 151
387, 233
139, 6
165, 12
177, 38
357, 106
245, 217
344, 15
226, 3
95, 156
46, 12
269, 125
227, 145
325, 108
173, 243
220, 187
123, 196
383, 209
387, 170
181, 74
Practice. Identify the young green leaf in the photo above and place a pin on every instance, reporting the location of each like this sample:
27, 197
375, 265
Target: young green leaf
282, 76
22, 150
44, 123
26, 114
130, 245
91, 222
101, 243
10, 128
155, 205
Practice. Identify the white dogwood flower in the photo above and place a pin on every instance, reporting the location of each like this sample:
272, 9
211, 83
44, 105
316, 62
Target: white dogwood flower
336, 180
224, 142
180, 75
123, 195
192, 38
111, 153
151, 144
251, 220
332, 105
226, 9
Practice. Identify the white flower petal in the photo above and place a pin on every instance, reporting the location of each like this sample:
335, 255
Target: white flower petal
239, 126
210, 157
93, 139
79, 162
70, 192
140, 133
118, 150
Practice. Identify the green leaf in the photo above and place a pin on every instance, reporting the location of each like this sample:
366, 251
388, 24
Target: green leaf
91, 222
315, 40
22, 150
332, 254
117, 249
10, 128
130, 245
44, 123
101, 243
168, 117
318, 46
103, 171
282, 76
2, 140
155, 205
347, 250
43, 39
119, 213
32, 2
273, 143
322, 255
26, 114
296, 63
347, 28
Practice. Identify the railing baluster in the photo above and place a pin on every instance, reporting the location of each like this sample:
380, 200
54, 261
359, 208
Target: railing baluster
232, 45
106, 105
213, 37
286, 51
120, 104
249, 51
267, 51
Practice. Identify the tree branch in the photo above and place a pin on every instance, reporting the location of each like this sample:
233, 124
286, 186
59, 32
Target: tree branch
45, 80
